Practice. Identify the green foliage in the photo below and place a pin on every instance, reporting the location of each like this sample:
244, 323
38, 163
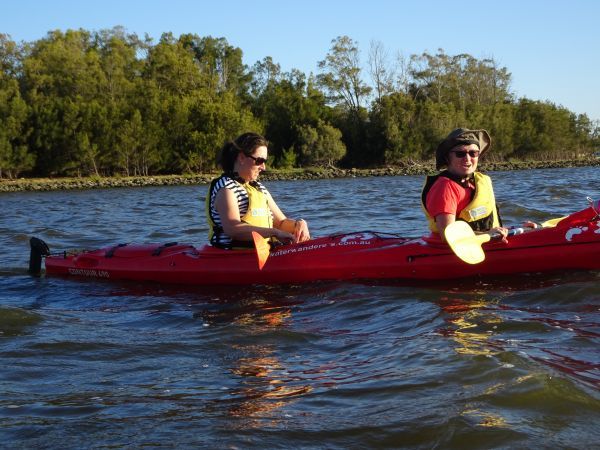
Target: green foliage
109, 103
547, 131
14, 157
285, 102
342, 74
460, 80
287, 160
321, 145
393, 134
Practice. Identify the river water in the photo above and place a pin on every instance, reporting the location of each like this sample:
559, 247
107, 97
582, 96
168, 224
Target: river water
502, 363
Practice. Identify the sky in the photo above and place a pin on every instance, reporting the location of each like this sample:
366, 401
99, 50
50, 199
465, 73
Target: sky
550, 47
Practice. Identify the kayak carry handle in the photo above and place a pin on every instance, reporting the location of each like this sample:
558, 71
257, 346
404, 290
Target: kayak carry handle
111, 252
38, 249
159, 250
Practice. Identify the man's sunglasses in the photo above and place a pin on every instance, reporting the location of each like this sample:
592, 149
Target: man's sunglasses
258, 161
463, 153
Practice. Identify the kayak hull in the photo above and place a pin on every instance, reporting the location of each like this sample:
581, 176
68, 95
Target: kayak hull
573, 244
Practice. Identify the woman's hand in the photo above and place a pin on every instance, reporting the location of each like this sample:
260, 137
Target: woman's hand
298, 229
530, 224
301, 232
283, 236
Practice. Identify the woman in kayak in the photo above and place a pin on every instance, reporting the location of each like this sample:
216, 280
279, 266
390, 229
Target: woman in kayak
238, 204
460, 192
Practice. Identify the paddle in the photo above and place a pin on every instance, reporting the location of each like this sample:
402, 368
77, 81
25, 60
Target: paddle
38, 249
262, 248
466, 244
552, 222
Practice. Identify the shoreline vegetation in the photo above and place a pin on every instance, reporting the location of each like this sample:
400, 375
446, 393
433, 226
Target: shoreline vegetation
105, 103
407, 168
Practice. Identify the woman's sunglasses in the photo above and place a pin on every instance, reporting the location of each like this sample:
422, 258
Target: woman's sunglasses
258, 161
463, 153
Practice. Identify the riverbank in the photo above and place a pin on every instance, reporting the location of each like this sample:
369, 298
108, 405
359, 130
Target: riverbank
407, 168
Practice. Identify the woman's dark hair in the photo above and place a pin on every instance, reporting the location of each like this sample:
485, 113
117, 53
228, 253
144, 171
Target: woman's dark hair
245, 143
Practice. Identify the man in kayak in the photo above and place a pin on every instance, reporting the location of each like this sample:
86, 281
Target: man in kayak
238, 204
460, 192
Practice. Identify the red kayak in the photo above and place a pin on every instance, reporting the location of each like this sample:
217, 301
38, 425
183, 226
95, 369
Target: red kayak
571, 244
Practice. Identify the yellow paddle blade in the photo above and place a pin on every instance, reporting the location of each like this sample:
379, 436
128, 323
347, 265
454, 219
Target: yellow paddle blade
552, 222
262, 248
465, 243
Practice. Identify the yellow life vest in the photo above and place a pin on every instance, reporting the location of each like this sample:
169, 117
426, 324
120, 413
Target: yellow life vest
258, 213
481, 213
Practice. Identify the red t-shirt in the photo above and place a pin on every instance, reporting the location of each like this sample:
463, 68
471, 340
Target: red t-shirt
447, 197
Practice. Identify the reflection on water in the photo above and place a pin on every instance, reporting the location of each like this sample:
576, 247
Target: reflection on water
265, 383
465, 320
16, 321
518, 353
471, 325
480, 418
480, 328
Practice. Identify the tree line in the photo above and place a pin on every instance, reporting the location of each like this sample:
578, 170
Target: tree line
111, 103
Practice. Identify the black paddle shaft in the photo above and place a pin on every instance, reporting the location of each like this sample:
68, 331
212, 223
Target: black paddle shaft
38, 249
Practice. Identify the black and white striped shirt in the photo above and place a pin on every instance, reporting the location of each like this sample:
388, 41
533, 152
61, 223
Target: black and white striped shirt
219, 238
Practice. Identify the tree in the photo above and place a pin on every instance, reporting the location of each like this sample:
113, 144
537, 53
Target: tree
544, 130
341, 79
62, 78
219, 62
461, 80
341, 76
80, 103
381, 74
285, 102
172, 66
394, 134
14, 155
321, 145
264, 74
215, 120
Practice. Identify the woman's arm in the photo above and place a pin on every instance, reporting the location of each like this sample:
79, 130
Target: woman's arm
298, 228
227, 207
443, 220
